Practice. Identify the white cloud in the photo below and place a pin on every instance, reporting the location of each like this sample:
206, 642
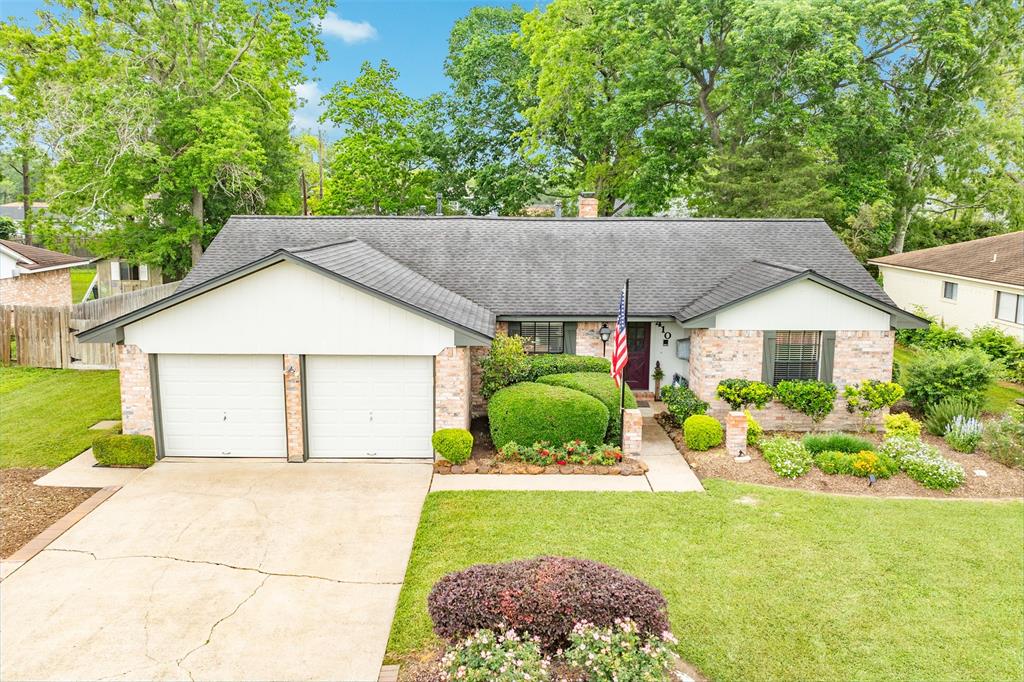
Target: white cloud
307, 115
349, 31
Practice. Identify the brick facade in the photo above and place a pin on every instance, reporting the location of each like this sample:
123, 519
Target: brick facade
52, 288
136, 391
293, 416
632, 432
588, 341
735, 433
452, 381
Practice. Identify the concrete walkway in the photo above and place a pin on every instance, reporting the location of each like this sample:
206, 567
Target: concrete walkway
668, 472
220, 570
82, 472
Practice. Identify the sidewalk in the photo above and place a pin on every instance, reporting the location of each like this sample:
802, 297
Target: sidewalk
668, 472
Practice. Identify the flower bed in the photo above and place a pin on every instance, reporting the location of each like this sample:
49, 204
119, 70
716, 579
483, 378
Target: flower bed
575, 457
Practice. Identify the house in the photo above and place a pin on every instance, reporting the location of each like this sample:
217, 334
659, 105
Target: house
30, 275
119, 276
966, 285
312, 337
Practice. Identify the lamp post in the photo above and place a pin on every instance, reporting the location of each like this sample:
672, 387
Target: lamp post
605, 333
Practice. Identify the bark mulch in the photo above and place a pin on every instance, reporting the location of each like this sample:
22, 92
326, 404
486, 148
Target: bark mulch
1001, 482
26, 509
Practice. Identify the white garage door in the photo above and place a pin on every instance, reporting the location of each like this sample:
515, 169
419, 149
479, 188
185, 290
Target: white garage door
222, 405
369, 406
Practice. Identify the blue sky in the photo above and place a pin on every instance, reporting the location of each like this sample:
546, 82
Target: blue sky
411, 34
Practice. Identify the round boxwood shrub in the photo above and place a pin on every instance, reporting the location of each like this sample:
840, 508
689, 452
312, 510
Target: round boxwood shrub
560, 363
120, 450
702, 432
529, 412
455, 445
601, 386
546, 596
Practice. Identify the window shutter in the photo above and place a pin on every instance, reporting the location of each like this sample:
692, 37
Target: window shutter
115, 270
828, 355
144, 272
569, 338
768, 358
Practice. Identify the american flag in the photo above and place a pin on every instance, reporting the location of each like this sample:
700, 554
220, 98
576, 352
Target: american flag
620, 355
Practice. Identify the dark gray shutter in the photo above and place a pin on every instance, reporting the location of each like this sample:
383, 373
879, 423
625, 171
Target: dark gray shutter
768, 358
569, 338
828, 355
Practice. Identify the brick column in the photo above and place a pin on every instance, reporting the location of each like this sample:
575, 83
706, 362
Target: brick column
136, 391
736, 434
294, 424
452, 389
632, 431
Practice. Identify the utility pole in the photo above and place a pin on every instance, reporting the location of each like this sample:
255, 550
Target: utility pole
320, 159
303, 192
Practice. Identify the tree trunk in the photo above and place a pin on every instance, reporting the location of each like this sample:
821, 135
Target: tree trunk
196, 243
902, 223
26, 198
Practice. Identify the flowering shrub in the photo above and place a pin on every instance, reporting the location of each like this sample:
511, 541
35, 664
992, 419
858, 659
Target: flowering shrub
901, 424
940, 415
503, 657
620, 652
702, 432
898, 447
816, 399
754, 430
682, 403
1004, 439
963, 433
740, 393
932, 470
543, 454
787, 458
546, 596
870, 396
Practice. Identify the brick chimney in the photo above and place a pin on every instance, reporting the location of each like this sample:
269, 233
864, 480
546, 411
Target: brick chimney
587, 204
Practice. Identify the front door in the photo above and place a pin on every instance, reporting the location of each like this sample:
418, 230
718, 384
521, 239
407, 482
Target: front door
638, 339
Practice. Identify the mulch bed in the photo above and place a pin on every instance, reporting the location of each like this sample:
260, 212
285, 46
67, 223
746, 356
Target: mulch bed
29, 509
1001, 482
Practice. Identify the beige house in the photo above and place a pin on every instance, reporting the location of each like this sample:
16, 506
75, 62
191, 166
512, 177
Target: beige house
966, 285
119, 276
30, 275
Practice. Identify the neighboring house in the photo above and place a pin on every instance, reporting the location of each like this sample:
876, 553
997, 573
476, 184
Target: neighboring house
966, 285
378, 324
15, 210
118, 276
30, 275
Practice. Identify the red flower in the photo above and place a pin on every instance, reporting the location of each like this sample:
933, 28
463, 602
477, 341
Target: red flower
561, 462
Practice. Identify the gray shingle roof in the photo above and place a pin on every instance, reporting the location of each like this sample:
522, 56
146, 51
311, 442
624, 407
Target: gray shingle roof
360, 263
547, 266
747, 278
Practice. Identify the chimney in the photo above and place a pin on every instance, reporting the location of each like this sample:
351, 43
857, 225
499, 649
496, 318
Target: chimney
587, 205
440, 211
558, 208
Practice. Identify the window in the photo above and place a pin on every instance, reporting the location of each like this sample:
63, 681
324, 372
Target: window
129, 271
1010, 307
796, 355
540, 337
949, 290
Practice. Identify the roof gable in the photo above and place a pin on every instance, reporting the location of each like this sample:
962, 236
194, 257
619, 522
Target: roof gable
37, 258
996, 259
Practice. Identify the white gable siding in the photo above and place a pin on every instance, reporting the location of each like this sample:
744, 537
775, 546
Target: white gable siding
802, 305
7, 266
287, 308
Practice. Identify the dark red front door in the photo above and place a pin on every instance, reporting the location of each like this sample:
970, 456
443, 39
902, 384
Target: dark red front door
638, 338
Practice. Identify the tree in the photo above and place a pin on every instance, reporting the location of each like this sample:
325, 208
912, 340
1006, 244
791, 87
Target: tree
166, 118
8, 228
378, 166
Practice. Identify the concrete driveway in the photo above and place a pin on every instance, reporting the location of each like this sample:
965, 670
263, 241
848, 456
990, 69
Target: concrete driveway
221, 570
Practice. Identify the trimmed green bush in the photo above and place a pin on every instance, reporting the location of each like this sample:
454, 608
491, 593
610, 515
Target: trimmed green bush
901, 424
754, 430
816, 399
121, 450
702, 432
930, 377
455, 445
939, 416
842, 442
601, 386
787, 458
531, 412
682, 403
543, 365
741, 393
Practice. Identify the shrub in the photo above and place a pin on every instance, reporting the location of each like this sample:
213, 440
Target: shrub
867, 463
506, 657
941, 415
788, 458
901, 424
741, 393
506, 364
940, 337
754, 430
899, 447
841, 442
575, 452
528, 413
620, 652
834, 462
963, 433
546, 596
930, 377
455, 445
1003, 439
601, 386
932, 470
682, 403
122, 450
702, 432
543, 365
870, 396
816, 399
996, 343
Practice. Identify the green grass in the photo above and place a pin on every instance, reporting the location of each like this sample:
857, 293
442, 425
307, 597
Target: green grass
798, 586
81, 278
999, 398
45, 414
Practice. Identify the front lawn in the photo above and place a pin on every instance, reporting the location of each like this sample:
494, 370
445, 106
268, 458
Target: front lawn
45, 414
81, 278
766, 584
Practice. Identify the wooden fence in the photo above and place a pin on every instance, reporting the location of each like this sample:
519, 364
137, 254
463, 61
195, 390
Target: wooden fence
36, 336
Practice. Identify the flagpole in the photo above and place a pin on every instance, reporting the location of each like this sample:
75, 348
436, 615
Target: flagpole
622, 388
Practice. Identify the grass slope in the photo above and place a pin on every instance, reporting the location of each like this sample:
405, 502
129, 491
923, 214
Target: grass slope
796, 586
999, 397
81, 278
45, 414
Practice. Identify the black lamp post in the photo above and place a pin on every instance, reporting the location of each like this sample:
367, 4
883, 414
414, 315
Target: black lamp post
605, 333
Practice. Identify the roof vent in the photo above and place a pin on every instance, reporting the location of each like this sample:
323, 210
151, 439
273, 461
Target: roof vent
995, 257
